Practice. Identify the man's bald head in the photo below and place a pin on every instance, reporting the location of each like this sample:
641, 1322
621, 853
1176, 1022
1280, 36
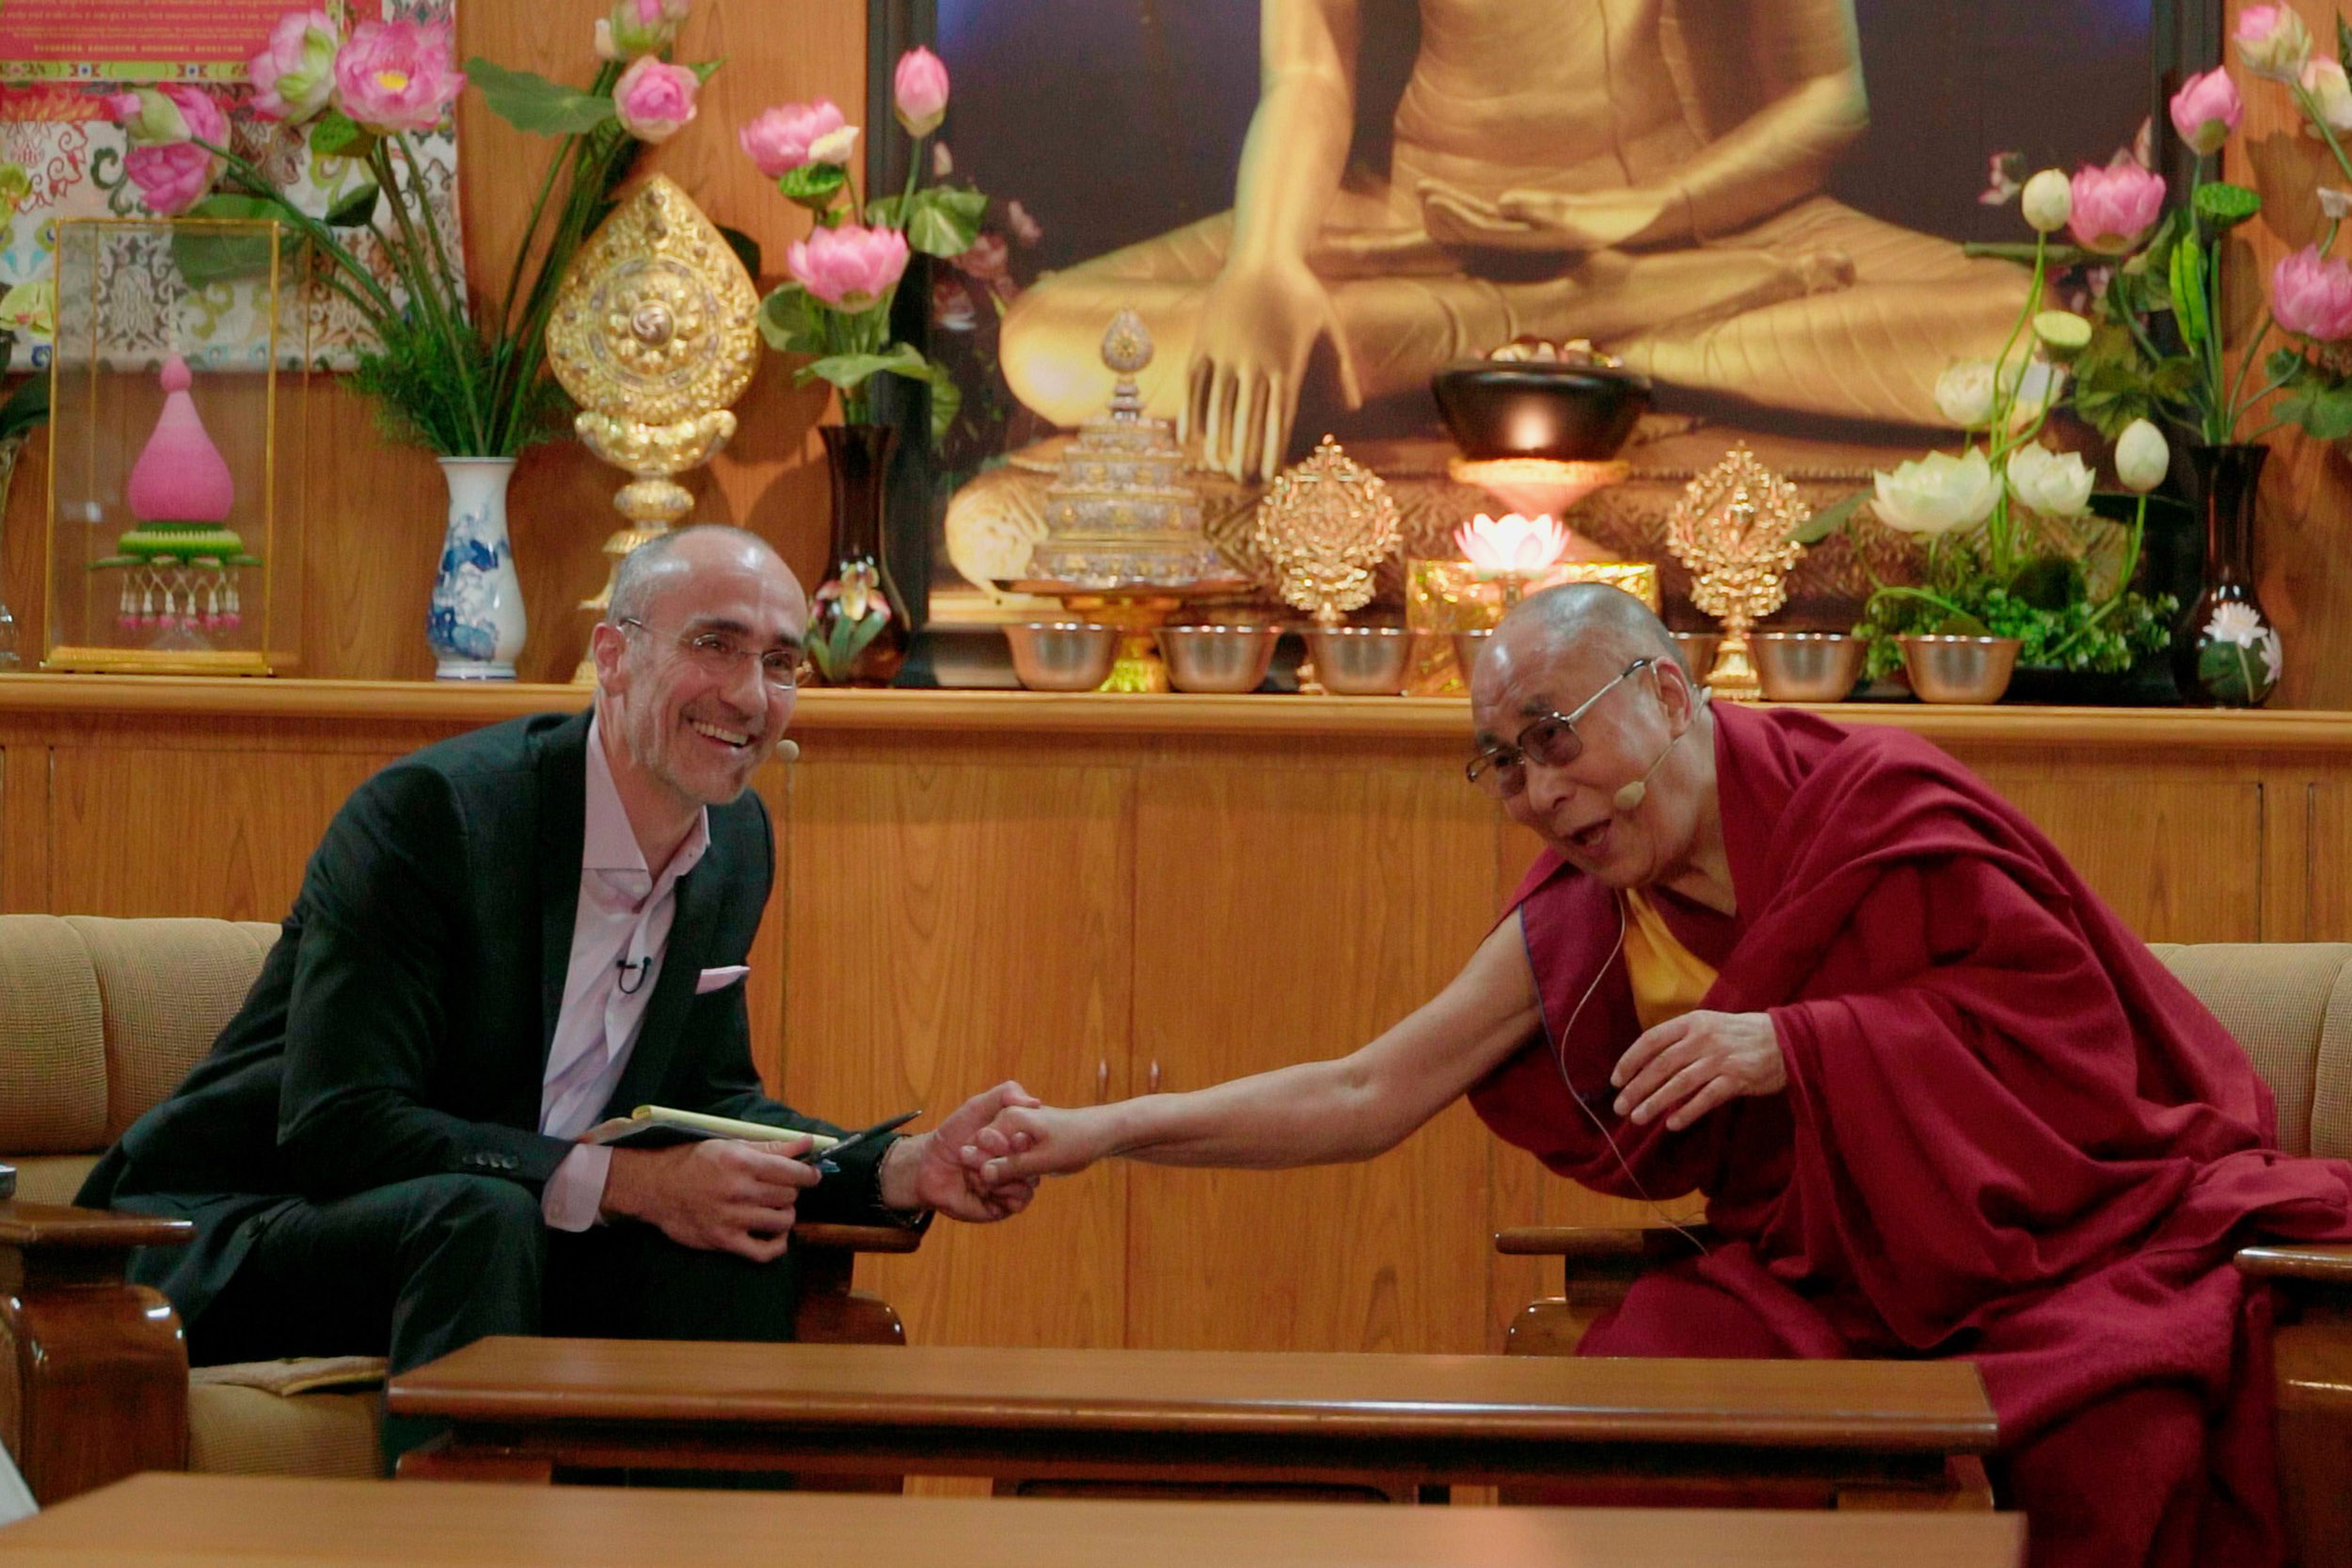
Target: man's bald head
1589, 623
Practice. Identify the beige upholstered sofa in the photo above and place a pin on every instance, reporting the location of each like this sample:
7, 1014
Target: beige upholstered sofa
99, 1020
2290, 1006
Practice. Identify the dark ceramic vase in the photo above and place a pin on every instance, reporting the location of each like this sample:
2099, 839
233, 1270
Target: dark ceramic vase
2228, 653
857, 631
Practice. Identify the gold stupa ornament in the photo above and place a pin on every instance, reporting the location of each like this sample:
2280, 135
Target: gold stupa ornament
1121, 513
1732, 528
654, 334
1325, 527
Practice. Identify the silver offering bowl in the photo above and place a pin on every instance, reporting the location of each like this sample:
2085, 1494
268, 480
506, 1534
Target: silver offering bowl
1218, 659
1699, 651
1063, 655
1806, 666
1960, 668
1467, 645
1362, 661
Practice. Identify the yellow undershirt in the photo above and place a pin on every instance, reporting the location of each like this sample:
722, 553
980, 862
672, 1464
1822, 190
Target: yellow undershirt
1668, 978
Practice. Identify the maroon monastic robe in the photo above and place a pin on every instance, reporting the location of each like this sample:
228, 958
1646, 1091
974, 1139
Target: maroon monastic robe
2008, 1133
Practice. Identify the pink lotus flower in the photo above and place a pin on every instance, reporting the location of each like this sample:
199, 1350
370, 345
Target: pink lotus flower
294, 77
394, 76
2312, 295
1511, 543
172, 179
2206, 110
2273, 41
778, 140
161, 117
918, 91
2115, 206
638, 28
850, 268
654, 99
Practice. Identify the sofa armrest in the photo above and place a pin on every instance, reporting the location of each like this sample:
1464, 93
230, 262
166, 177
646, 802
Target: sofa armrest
830, 1311
93, 1370
2305, 1263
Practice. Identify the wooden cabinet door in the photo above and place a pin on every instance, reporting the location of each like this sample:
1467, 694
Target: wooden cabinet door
950, 926
1285, 912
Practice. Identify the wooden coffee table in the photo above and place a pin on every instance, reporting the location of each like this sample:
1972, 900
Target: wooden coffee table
523, 1408
178, 1521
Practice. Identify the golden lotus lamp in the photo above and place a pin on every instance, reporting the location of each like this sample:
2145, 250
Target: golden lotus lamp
1733, 530
654, 334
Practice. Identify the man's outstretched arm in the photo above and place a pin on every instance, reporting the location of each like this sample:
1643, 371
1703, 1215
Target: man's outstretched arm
1316, 1113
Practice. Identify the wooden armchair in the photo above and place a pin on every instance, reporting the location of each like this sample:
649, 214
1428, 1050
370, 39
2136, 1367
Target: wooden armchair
99, 1018
2290, 1007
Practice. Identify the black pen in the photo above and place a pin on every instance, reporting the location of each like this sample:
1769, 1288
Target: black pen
825, 1161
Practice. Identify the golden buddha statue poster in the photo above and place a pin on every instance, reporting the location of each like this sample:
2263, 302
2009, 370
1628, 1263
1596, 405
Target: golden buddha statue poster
1316, 204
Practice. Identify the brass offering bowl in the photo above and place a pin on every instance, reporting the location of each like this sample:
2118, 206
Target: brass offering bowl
1806, 666
1063, 655
1960, 668
1218, 659
1362, 661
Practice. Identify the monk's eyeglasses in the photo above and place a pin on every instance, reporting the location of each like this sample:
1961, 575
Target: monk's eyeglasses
1550, 741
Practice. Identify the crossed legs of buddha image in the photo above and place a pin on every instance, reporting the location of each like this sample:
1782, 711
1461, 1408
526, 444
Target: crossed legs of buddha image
1647, 174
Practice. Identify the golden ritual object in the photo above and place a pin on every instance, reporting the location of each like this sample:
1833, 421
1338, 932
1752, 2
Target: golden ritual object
1124, 544
654, 334
1732, 529
1326, 524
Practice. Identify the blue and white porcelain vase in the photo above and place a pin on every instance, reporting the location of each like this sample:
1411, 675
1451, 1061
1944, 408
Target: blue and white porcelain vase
476, 622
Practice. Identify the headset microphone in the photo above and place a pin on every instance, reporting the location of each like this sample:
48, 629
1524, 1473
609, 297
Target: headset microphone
787, 750
1630, 795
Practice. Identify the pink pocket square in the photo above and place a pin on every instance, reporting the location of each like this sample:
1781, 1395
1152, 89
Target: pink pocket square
720, 977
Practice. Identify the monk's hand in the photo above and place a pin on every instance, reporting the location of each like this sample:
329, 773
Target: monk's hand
1259, 323
1688, 1066
928, 1170
715, 1194
1574, 222
1028, 1142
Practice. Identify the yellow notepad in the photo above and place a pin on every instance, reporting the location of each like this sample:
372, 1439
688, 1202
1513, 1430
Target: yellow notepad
660, 1118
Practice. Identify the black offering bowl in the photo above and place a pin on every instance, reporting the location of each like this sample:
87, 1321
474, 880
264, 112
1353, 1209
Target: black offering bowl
1567, 411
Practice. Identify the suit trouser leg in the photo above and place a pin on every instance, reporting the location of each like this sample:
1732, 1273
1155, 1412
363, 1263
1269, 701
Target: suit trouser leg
628, 1281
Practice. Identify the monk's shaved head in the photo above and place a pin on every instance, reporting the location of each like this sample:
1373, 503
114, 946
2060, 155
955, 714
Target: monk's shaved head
1589, 624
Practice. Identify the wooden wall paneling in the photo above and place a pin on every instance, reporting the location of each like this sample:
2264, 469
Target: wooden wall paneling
2328, 802
162, 830
1284, 913
953, 926
771, 477
24, 827
2177, 852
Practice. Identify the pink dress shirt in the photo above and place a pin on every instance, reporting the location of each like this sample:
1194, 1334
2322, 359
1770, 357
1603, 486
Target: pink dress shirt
624, 918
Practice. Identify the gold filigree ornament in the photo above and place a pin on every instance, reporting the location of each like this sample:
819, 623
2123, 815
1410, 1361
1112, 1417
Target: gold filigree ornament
1732, 528
654, 334
1325, 526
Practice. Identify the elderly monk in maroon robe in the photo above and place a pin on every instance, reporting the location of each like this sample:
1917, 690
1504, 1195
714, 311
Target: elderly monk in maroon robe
1939, 1099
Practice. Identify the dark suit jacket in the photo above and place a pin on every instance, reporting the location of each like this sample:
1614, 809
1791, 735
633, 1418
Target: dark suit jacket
400, 1027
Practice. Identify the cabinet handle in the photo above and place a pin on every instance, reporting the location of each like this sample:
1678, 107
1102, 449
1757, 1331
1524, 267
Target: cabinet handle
1102, 1081
1152, 1080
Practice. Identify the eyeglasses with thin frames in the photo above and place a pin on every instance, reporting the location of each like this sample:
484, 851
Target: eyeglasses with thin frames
1552, 741
723, 655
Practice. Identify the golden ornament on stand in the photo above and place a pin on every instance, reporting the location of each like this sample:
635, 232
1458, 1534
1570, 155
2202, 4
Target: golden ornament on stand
1326, 525
1732, 528
654, 334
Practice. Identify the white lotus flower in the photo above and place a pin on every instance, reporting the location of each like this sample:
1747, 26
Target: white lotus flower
2049, 200
2057, 484
1963, 393
2031, 388
2241, 624
2142, 457
1512, 542
1937, 493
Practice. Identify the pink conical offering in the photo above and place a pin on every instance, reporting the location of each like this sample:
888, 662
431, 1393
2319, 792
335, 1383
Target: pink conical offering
181, 476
